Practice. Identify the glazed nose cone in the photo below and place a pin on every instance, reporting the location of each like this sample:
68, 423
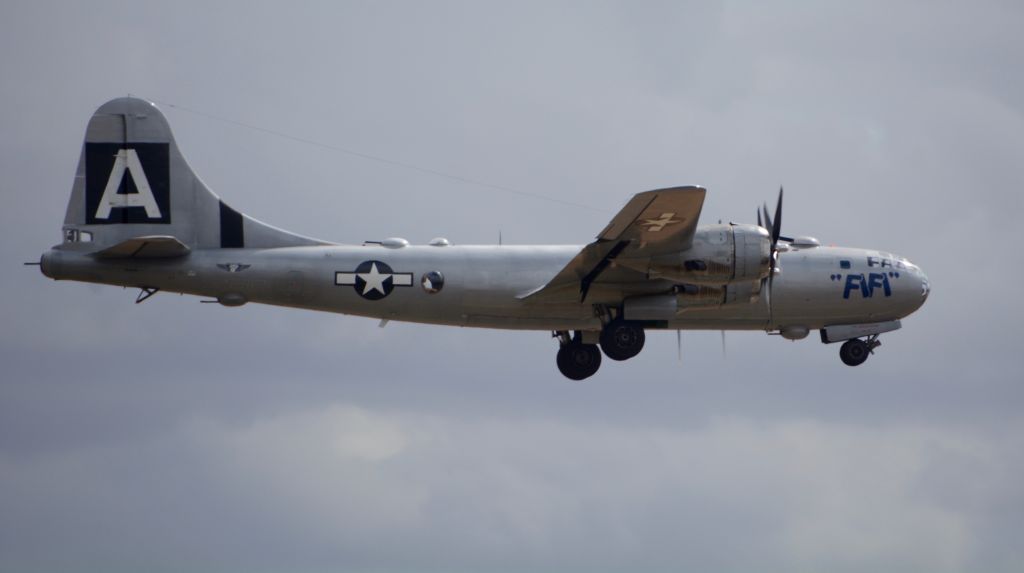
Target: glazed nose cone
922, 280
925, 287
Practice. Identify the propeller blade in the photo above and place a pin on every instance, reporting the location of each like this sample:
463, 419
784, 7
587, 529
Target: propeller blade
777, 227
759, 223
679, 345
767, 220
723, 346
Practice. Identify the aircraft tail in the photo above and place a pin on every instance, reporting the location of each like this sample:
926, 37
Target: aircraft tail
133, 184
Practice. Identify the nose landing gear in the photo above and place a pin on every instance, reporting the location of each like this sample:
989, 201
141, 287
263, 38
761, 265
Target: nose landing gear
855, 351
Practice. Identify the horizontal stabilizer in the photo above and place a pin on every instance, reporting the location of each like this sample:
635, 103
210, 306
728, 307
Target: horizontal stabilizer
150, 247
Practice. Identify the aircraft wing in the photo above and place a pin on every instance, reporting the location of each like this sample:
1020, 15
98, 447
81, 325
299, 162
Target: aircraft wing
652, 223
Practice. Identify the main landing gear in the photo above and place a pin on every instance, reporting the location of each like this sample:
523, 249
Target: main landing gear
622, 340
578, 356
855, 351
577, 360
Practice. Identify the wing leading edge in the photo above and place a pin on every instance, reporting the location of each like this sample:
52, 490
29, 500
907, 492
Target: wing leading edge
652, 223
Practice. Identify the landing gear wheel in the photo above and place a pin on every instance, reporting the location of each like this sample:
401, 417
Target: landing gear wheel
854, 352
621, 340
578, 361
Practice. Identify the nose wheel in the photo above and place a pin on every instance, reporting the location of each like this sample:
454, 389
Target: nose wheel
855, 351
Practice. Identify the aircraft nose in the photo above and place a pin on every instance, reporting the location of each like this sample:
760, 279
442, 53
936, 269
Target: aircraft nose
925, 287
922, 281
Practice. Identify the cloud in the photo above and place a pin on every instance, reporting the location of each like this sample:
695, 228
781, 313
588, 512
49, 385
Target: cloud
349, 486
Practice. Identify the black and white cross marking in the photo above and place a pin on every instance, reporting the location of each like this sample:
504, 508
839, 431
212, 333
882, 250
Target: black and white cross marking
373, 280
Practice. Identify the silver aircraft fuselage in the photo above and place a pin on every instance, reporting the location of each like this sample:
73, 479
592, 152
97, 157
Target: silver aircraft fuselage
484, 285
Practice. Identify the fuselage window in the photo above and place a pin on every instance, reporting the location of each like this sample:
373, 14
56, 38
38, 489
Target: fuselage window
76, 236
844, 264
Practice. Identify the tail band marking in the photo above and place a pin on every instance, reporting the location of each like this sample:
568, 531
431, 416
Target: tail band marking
232, 235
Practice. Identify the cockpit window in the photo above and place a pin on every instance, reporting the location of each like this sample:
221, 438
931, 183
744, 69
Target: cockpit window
844, 264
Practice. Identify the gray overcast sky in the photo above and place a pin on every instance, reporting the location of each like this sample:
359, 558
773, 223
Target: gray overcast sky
175, 436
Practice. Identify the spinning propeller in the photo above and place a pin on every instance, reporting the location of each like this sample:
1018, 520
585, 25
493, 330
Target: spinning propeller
774, 227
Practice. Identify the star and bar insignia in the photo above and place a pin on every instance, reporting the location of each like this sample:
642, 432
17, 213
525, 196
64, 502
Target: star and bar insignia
373, 280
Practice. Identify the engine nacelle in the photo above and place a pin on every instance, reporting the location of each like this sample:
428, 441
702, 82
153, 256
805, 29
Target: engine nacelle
669, 306
719, 255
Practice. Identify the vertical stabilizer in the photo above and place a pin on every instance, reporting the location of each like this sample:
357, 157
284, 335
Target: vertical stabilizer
132, 181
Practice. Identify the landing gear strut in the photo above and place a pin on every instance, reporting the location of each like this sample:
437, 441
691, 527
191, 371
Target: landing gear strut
575, 359
855, 351
622, 340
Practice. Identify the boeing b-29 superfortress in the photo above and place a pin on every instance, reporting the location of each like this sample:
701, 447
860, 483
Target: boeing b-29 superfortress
139, 217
